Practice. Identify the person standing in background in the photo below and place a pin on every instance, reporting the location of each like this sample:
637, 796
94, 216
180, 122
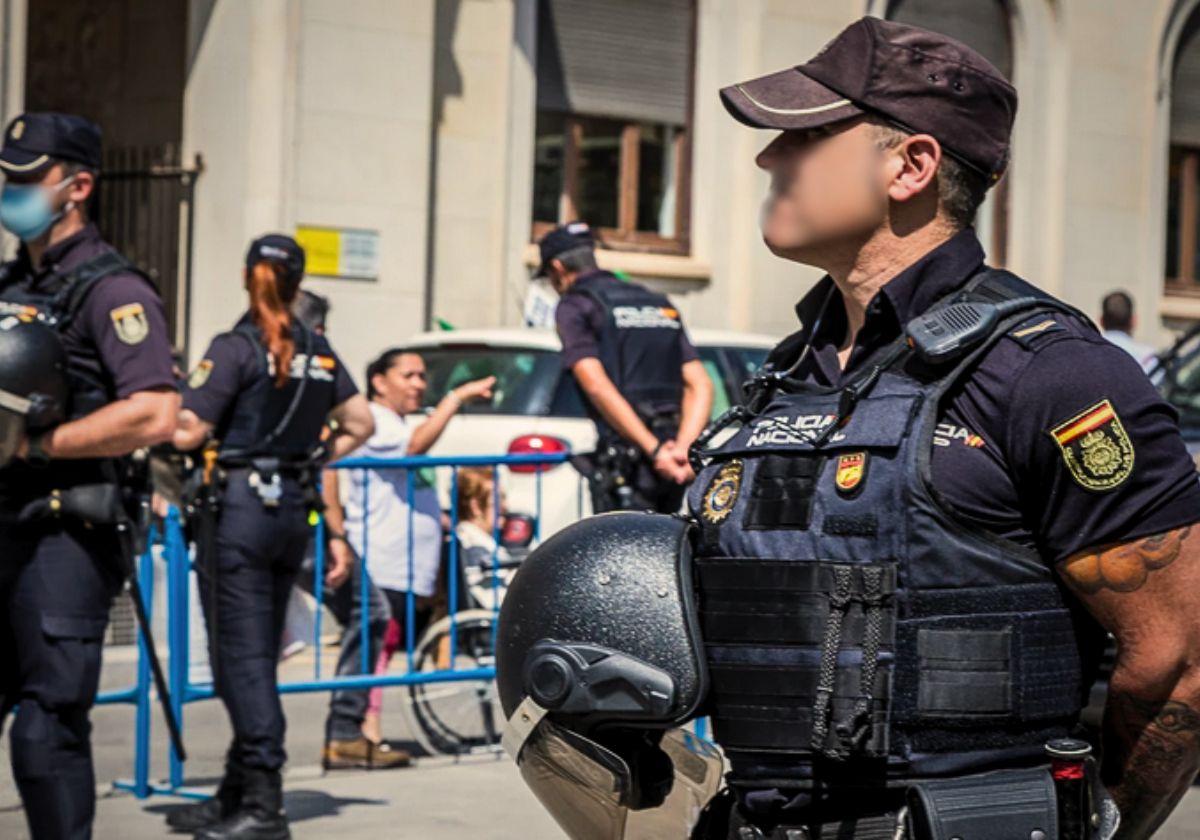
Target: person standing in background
1118, 322
376, 518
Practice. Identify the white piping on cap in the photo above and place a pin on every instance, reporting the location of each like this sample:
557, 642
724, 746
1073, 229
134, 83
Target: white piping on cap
816, 109
24, 167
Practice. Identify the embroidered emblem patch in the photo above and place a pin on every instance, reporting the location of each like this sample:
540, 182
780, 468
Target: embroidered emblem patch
130, 322
850, 472
200, 375
722, 493
18, 130
1095, 447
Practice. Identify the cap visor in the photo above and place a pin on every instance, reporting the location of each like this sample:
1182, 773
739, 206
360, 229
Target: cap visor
21, 162
786, 100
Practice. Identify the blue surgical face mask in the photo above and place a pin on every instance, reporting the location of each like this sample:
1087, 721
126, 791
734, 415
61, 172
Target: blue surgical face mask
26, 210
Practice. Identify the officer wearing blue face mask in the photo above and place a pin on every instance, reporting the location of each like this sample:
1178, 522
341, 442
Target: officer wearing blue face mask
60, 571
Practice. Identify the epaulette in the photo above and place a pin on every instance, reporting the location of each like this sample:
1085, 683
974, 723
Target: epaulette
1040, 329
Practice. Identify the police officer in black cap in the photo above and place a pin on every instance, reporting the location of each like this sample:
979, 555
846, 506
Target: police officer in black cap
925, 463
60, 570
644, 385
260, 399
941, 492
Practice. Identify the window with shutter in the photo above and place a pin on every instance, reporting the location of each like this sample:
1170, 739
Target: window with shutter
613, 120
1183, 222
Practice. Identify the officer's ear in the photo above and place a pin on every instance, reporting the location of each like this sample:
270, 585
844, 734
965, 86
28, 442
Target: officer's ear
557, 273
912, 167
80, 190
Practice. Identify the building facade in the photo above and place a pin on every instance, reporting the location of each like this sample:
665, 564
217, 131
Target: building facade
419, 146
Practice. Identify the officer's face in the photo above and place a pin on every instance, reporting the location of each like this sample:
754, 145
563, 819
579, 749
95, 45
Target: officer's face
402, 386
828, 190
63, 189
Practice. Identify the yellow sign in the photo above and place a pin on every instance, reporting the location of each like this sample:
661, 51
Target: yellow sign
339, 252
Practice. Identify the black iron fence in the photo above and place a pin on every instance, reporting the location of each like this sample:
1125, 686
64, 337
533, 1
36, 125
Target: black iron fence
145, 206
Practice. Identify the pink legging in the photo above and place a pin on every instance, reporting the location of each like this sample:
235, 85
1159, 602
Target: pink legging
391, 644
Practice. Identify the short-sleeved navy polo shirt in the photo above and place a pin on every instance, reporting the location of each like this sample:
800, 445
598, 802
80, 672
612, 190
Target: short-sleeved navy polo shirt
1000, 455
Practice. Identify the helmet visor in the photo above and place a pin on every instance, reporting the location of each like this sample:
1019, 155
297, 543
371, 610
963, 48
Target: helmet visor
586, 787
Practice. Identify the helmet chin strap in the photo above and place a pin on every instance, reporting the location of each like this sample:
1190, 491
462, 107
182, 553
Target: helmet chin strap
14, 403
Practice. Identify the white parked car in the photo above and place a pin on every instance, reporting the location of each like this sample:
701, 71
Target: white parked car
538, 408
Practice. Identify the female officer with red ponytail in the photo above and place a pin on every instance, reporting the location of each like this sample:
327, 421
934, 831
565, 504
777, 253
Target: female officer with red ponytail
263, 393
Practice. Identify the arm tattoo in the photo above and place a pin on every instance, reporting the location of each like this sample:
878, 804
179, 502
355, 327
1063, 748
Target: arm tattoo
1123, 568
1151, 755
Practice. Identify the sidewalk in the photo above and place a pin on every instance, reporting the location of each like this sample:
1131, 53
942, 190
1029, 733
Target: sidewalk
479, 797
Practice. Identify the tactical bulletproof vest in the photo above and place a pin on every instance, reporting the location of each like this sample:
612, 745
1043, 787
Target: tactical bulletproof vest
56, 300
850, 619
286, 423
639, 348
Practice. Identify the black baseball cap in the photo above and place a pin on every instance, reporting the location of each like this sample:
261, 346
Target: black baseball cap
33, 142
568, 237
916, 79
281, 250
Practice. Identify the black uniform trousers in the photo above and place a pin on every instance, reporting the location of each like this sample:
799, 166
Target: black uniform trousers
56, 585
259, 551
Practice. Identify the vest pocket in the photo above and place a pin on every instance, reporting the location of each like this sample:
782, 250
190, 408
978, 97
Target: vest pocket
781, 496
964, 671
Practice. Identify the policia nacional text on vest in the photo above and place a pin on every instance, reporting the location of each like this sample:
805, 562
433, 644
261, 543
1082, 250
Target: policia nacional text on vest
640, 352
856, 632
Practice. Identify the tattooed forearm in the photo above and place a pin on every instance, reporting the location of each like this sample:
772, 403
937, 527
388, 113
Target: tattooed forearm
1123, 568
1151, 755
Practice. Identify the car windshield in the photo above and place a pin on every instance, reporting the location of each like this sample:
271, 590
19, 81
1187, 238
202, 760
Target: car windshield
525, 377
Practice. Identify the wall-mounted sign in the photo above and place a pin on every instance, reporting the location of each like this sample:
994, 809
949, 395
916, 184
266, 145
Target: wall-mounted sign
350, 253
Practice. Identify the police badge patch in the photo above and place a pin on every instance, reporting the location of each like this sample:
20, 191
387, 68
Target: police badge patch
722, 493
1095, 447
130, 323
200, 375
850, 472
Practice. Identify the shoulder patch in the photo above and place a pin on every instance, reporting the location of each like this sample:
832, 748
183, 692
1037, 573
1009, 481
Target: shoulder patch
1095, 447
199, 376
130, 323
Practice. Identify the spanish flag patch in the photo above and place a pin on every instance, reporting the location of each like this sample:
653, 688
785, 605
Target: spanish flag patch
1095, 447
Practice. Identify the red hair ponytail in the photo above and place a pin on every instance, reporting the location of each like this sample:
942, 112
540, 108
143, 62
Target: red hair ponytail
271, 315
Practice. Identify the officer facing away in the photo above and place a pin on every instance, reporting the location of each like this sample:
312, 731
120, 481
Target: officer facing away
263, 394
885, 644
645, 387
60, 571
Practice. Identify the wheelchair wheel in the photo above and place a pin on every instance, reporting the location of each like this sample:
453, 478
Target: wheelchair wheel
455, 717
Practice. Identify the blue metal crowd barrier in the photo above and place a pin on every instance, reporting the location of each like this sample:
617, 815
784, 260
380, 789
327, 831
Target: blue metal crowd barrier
175, 552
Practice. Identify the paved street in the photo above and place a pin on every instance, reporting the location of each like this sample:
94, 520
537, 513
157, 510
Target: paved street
477, 798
